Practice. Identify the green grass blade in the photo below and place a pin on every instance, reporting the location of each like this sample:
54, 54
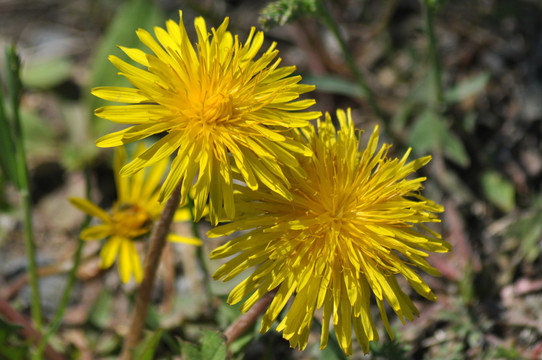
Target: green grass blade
15, 90
7, 148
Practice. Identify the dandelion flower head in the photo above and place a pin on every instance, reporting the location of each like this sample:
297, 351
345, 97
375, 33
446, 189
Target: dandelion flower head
353, 224
223, 110
131, 217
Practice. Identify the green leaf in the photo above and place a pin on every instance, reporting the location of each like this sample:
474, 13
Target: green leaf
107, 343
328, 354
13, 352
401, 116
467, 88
213, 346
469, 122
499, 191
147, 348
7, 328
100, 313
424, 135
37, 133
454, 149
508, 353
46, 74
526, 230
430, 132
189, 351
334, 85
238, 344
10, 350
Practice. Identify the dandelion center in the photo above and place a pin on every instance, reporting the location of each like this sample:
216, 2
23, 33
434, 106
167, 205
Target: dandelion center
130, 221
210, 111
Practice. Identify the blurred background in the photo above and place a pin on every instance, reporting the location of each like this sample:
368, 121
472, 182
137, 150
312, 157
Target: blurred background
483, 129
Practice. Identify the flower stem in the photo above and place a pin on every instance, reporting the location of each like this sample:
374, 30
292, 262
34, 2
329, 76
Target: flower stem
15, 88
152, 260
246, 320
71, 280
328, 20
436, 69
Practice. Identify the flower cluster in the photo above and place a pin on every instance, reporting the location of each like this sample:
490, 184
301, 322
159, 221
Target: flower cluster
331, 226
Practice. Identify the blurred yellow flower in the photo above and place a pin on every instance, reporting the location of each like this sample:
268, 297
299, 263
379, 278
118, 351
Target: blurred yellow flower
222, 110
132, 216
354, 222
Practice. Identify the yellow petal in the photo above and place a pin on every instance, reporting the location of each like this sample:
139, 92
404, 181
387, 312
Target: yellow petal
96, 232
109, 251
183, 239
120, 94
91, 209
126, 254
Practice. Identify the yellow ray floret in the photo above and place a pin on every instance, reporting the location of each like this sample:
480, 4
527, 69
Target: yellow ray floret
132, 216
221, 110
354, 223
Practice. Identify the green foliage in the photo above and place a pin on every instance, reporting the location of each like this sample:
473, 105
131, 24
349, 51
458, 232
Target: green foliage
146, 349
430, 132
499, 191
467, 88
8, 160
282, 12
11, 348
508, 353
100, 313
334, 85
130, 16
526, 230
434, 4
7, 148
38, 135
47, 74
389, 349
213, 347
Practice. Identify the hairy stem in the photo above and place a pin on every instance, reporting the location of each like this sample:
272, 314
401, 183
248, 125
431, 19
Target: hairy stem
152, 260
243, 322
328, 20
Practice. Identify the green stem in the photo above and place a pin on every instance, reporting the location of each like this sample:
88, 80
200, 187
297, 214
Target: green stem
152, 260
436, 69
14, 85
325, 15
63, 304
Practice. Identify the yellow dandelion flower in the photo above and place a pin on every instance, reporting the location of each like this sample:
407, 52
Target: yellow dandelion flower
220, 107
132, 216
354, 222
